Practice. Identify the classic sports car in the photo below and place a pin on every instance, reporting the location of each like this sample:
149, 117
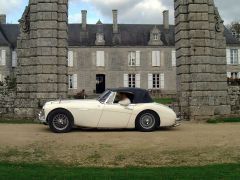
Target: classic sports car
108, 111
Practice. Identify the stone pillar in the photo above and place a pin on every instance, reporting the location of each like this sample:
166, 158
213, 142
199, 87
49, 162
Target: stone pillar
115, 21
42, 52
201, 60
166, 19
84, 20
3, 19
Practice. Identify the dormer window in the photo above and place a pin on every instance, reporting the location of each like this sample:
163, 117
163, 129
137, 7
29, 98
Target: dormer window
100, 38
155, 37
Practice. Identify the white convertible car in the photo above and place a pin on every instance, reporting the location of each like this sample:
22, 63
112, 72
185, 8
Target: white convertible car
108, 112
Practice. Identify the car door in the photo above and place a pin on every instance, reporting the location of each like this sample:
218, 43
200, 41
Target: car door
115, 115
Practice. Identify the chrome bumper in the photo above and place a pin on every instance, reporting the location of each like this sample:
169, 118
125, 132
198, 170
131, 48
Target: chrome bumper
178, 122
41, 117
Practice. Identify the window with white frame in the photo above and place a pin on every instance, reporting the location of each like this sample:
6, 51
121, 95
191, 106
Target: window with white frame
72, 81
156, 58
234, 56
70, 58
156, 81
174, 59
100, 59
100, 38
14, 59
134, 58
132, 80
155, 36
3, 57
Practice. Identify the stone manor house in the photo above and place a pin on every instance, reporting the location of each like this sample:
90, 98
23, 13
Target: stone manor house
116, 55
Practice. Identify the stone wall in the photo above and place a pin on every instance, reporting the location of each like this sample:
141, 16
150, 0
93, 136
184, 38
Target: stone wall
201, 60
234, 97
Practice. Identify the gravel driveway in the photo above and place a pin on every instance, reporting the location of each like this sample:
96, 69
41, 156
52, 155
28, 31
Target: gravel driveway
189, 144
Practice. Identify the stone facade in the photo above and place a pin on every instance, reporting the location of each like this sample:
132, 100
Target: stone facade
201, 60
234, 97
42, 53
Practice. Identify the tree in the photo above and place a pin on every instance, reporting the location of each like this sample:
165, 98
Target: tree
235, 28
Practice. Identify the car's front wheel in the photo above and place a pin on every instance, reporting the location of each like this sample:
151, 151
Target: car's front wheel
147, 121
60, 121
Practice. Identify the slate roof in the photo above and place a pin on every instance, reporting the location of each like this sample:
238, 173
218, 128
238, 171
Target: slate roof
131, 35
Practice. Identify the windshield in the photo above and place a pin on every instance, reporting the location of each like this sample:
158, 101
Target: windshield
104, 96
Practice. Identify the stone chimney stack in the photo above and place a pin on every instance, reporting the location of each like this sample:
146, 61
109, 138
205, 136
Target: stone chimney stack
115, 21
166, 19
84, 20
2, 18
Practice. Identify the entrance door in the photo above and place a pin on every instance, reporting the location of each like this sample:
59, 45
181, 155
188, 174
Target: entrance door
100, 83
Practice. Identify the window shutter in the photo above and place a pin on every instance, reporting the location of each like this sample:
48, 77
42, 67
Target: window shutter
150, 81
162, 81
228, 55
75, 81
70, 58
3, 63
125, 80
238, 56
138, 57
153, 58
173, 58
129, 58
158, 58
14, 59
138, 80
1, 77
102, 59
229, 74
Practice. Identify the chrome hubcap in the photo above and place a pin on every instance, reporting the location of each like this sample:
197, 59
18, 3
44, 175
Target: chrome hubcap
60, 122
147, 121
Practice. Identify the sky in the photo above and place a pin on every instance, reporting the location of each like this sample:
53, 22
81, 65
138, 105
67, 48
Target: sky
130, 11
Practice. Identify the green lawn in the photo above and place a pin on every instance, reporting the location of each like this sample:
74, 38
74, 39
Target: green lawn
224, 120
164, 100
31, 171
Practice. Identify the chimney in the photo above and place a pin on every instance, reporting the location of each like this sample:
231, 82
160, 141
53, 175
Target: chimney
166, 19
115, 21
2, 18
84, 20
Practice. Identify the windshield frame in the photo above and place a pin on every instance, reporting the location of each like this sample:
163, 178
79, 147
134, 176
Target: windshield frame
103, 98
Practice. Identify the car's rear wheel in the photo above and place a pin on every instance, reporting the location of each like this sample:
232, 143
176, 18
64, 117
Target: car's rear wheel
147, 121
60, 121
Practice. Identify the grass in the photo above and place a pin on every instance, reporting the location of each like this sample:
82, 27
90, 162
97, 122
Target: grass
18, 121
37, 171
165, 100
224, 120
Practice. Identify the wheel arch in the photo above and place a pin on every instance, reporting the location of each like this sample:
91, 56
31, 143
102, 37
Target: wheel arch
57, 109
152, 111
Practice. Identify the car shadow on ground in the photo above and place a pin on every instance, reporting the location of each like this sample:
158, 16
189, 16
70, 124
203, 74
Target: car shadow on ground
80, 129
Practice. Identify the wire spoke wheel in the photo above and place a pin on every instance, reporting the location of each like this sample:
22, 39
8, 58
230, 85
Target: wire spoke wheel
60, 122
147, 121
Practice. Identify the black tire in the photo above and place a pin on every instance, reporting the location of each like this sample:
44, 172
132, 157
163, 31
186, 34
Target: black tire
147, 121
60, 121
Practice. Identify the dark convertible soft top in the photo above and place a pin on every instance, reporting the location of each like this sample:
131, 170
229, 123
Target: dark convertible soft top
139, 95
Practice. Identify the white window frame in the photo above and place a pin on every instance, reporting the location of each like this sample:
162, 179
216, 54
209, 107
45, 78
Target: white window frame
14, 59
132, 80
234, 56
156, 58
100, 58
174, 59
72, 81
3, 57
156, 81
70, 58
134, 58
155, 37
